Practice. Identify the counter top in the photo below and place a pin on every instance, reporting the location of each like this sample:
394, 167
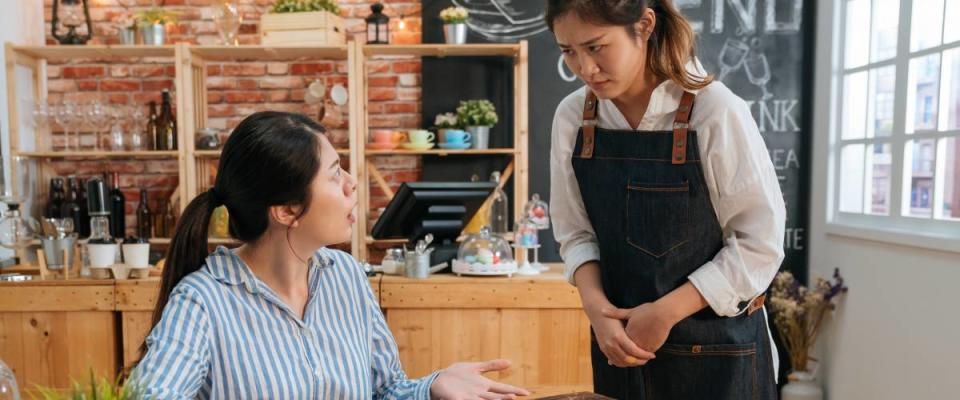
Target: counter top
547, 290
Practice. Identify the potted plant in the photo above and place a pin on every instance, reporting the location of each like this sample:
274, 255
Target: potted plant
477, 116
102, 390
303, 22
454, 24
443, 122
152, 24
797, 314
126, 27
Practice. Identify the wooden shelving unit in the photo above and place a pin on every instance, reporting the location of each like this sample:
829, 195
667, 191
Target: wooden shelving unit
368, 171
191, 101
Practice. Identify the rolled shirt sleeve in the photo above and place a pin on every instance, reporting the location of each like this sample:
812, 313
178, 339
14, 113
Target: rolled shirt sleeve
749, 206
571, 226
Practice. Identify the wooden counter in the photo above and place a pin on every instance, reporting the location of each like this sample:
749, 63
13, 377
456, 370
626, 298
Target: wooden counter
52, 330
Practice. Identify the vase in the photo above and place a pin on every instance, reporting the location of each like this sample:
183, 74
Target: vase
480, 136
802, 385
153, 34
128, 36
455, 33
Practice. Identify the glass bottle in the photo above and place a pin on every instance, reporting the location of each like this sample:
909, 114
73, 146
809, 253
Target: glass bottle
152, 132
144, 221
118, 212
71, 207
84, 228
55, 204
166, 125
499, 208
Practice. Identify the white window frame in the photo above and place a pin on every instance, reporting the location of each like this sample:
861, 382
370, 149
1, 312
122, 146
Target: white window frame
893, 228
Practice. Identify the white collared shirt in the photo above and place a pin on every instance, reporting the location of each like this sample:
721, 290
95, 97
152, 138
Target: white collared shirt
739, 174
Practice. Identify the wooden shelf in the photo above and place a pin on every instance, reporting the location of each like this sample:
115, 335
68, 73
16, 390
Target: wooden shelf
277, 53
101, 154
440, 152
95, 51
509, 236
216, 153
442, 50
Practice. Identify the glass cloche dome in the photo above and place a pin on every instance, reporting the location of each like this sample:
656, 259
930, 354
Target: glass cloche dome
485, 254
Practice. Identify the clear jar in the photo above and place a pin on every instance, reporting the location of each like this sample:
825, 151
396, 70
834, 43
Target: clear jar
207, 139
393, 262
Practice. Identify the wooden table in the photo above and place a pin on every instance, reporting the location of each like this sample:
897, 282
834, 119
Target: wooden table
53, 330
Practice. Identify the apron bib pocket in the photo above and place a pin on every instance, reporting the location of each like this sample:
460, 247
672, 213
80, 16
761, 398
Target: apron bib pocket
657, 220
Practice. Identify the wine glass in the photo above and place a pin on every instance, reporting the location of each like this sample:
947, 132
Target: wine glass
116, 140
41, 117
138, 139
758, 72
731, 56
101, 119
227, 18
64, 116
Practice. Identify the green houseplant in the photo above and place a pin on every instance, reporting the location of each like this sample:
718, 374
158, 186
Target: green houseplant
152, 24
97, 389
477, 116
303, 22
291, 6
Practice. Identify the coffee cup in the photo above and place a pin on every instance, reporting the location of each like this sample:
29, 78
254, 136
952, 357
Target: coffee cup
386, 136
456, 136
421, 136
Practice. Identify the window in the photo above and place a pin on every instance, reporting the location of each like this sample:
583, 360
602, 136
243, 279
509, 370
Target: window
898, 122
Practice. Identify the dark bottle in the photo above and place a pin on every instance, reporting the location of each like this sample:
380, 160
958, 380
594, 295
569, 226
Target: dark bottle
169, 220
153, 135
118, 212
166, 125
144, 218
84, 229
55, 204
71, 207
99, 208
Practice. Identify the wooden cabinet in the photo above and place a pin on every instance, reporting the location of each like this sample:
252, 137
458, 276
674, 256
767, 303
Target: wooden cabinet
52, 331
56, 331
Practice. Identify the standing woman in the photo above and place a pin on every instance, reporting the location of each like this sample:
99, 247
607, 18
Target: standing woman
666, 206
282, 316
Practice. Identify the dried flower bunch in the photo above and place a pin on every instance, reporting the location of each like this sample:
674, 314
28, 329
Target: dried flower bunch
454, 15
798, 312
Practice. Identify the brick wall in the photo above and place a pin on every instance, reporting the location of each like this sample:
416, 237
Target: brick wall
237, 89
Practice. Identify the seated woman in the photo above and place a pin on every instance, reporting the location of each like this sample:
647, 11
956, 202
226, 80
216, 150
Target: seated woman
277, 318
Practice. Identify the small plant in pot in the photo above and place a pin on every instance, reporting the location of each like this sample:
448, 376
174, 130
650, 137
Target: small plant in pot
303, 22
454, 24
443, 122
152, 24
477, 116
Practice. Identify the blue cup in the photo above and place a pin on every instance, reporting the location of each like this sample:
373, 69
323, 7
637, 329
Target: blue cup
456, 136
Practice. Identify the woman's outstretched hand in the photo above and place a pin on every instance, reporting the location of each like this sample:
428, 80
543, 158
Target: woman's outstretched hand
463, 381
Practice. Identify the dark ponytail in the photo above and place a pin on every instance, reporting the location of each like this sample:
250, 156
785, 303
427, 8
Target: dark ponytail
672, 45
270, 159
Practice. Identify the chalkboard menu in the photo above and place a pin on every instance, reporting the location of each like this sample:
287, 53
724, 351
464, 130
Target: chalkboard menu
761, 49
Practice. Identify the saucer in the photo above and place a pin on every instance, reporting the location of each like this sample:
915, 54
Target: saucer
382, 146
417, 146
455, 146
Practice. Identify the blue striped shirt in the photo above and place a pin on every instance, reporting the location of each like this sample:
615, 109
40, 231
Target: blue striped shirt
225, 334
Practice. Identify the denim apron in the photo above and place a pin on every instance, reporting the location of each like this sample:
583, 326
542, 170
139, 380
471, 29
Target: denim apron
647, 200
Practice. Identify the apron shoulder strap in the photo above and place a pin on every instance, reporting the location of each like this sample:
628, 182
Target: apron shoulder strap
681, 124
590, 105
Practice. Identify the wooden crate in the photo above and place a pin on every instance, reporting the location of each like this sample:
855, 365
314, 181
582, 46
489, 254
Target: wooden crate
319, 28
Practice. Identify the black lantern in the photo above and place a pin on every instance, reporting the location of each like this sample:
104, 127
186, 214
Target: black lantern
378, 26
71, 14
